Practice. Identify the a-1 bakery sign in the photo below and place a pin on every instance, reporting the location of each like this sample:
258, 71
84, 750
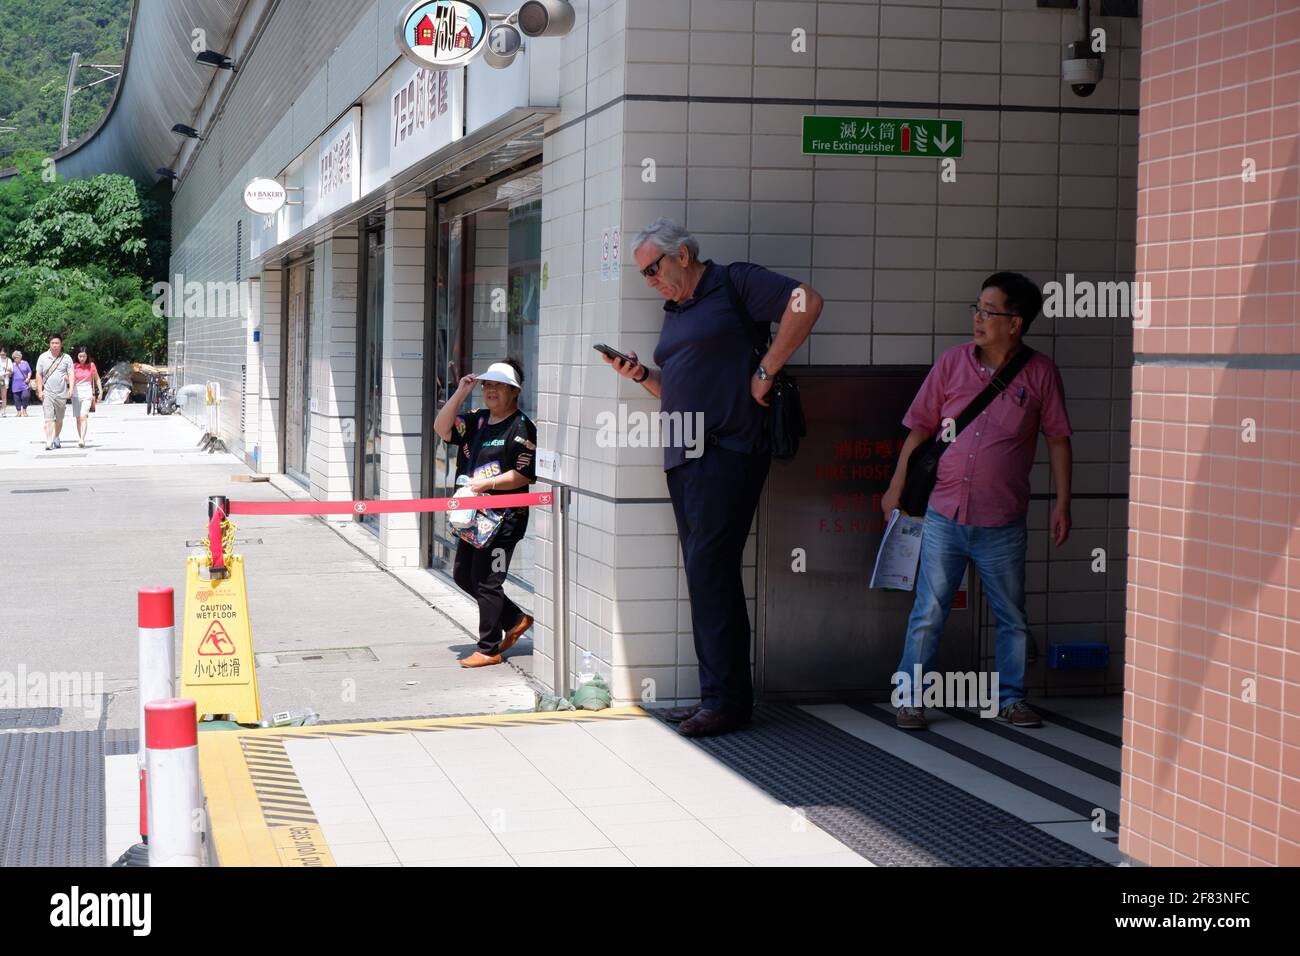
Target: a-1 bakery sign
442, 34
264, 196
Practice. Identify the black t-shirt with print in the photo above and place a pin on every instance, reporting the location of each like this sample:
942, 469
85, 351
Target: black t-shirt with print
510, 444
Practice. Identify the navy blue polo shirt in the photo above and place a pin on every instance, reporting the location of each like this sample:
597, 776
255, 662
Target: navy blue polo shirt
706, 355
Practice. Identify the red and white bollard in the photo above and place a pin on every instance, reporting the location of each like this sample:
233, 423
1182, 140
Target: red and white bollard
156, 651
175, 798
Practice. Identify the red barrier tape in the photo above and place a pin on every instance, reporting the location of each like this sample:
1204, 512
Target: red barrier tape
494, 502
214, 539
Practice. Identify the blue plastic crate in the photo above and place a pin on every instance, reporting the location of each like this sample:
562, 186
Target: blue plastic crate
1078, 656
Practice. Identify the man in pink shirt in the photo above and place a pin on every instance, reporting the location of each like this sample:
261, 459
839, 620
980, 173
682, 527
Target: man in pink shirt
981, 495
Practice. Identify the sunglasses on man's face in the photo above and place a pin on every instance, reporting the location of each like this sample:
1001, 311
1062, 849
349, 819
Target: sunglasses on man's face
652, 269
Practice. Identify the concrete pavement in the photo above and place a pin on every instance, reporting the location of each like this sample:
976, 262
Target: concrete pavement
82, 529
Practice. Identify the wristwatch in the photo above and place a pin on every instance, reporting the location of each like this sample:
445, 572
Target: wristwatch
762, 374
646, 374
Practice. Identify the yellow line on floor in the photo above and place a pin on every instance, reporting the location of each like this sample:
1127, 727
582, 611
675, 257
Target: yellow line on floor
366, 728
239, 832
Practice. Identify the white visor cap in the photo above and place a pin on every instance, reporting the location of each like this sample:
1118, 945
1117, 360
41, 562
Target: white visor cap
500, 372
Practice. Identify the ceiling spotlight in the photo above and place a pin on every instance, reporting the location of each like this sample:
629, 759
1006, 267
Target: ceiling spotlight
219, 60
184, 130
546, 18
165, 173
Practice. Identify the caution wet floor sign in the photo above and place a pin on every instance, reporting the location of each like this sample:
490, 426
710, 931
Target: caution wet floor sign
217, 645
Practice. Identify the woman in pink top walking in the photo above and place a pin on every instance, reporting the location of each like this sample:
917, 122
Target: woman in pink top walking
87, 391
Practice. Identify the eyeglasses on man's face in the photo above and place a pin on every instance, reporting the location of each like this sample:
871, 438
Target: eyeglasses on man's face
652, 269
977, 309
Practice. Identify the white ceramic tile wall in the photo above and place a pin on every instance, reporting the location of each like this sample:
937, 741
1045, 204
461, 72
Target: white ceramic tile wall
897, 253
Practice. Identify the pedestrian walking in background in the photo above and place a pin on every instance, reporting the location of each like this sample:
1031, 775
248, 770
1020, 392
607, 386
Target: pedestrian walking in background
708, 367
6, 370
87, 391
53, 386
497, 445
21, 381
977, 509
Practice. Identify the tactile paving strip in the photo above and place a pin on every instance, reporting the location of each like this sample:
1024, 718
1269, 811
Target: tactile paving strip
52, 798
24, 718
120, 741
878, 805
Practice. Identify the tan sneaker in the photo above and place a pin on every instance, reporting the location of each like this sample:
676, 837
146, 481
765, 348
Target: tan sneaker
515, 633
1020, 715
479, 659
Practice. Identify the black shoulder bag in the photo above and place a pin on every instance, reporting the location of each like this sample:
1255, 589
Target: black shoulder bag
923, 466
785, 421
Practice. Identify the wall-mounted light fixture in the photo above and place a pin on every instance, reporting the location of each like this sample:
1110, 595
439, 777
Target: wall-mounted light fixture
219, 60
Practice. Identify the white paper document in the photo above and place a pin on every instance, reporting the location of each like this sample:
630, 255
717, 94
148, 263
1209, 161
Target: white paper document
899, 554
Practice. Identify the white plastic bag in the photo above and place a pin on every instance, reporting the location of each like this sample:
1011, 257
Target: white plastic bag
464, 517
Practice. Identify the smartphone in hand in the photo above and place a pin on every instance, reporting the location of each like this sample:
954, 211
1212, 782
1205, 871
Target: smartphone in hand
613, 353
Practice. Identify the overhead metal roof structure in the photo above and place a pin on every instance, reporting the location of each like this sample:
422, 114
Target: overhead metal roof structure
161, 85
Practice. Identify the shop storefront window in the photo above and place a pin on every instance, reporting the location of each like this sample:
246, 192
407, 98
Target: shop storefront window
298, 386
373, 358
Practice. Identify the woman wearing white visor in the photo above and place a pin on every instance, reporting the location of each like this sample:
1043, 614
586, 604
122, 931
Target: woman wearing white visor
498, 444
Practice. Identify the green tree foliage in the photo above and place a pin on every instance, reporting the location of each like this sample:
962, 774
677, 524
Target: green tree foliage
83, 223
79, 257
37, 40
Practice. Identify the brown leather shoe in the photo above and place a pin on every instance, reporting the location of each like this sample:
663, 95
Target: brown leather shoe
675, 715
711, 723
515, 633
479, 659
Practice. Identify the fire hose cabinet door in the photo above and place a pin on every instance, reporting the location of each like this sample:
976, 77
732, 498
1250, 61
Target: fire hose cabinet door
822, 632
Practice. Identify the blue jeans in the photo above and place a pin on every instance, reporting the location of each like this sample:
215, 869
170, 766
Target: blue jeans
999, 556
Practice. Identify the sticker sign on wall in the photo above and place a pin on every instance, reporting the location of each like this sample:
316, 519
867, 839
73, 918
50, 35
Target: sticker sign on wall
882, 136
548, 464
609, 254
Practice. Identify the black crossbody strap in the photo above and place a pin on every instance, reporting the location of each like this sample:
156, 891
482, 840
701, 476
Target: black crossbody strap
756, 334
998, 384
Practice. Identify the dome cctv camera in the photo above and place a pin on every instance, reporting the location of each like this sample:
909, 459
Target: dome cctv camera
1081, 68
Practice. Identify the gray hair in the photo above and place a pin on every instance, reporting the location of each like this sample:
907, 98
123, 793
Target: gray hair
666, 236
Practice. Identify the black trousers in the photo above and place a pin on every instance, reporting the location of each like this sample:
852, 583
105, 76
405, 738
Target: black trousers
714, 499
476, 575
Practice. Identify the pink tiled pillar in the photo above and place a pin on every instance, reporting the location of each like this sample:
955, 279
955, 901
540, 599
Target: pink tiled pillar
1212, 683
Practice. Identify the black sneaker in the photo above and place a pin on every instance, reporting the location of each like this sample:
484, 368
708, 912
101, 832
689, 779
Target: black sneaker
1019, 715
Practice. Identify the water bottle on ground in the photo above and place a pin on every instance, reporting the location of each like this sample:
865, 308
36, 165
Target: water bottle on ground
587, 668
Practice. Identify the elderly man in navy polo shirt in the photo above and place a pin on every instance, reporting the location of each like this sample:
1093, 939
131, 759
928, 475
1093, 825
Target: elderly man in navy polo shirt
707, 365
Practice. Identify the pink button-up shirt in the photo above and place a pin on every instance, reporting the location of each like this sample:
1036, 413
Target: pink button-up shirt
983, 477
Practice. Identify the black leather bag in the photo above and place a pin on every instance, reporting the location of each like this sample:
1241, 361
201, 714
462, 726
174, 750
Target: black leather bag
785, 421
923, 465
